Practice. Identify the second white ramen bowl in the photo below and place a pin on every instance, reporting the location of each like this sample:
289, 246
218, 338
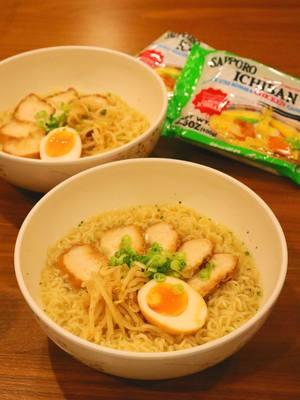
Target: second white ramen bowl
89, 70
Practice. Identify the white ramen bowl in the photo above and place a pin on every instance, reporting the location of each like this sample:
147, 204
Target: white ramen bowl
140, 182
89, 70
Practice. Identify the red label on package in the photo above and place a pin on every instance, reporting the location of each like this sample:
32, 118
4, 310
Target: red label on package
151, 57
211, 101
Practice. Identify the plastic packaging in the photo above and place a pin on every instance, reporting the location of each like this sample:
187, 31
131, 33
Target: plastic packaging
240, 108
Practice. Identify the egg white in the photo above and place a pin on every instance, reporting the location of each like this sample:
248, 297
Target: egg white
189, 321
73, 154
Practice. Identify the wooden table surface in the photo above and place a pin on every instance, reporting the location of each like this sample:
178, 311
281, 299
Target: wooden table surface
268, 368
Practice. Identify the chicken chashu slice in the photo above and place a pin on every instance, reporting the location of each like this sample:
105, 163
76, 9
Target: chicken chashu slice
18, 129
28, 147
196, 251
111, 239
94, 101
65, 97
28, 108
224, 266
80, 261
164, 234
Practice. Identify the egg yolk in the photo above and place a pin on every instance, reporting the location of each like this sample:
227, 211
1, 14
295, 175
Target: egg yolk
60, 143
167, 299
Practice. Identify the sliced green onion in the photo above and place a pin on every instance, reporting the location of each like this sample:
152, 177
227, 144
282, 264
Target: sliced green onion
159, 277
155, 248
175, 265
125, 242
205, 272
113, 261
175, 274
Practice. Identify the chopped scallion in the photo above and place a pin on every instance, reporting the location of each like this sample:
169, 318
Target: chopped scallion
205, 272
159, 277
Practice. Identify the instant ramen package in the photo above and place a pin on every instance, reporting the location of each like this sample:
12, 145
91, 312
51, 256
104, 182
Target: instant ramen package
168, 54
240, 108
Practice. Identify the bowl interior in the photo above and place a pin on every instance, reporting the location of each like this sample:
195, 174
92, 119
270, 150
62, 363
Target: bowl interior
151, 181
87, 69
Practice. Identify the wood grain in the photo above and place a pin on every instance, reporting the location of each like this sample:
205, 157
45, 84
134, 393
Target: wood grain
268, 368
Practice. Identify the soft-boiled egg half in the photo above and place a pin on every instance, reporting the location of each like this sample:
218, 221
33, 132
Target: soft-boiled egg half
61, 144
172, 306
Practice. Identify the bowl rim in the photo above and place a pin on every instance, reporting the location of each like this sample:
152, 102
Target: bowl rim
262, 312
106, 154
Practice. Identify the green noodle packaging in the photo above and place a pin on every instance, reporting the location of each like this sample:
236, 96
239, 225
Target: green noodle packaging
239, 108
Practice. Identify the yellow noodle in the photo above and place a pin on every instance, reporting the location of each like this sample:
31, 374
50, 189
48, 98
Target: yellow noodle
109, 126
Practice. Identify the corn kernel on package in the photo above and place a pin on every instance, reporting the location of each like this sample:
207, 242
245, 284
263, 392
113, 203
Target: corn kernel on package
240, 108
167, 55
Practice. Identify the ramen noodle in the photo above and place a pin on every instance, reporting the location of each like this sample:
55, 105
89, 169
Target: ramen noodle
239, 108
105, 309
